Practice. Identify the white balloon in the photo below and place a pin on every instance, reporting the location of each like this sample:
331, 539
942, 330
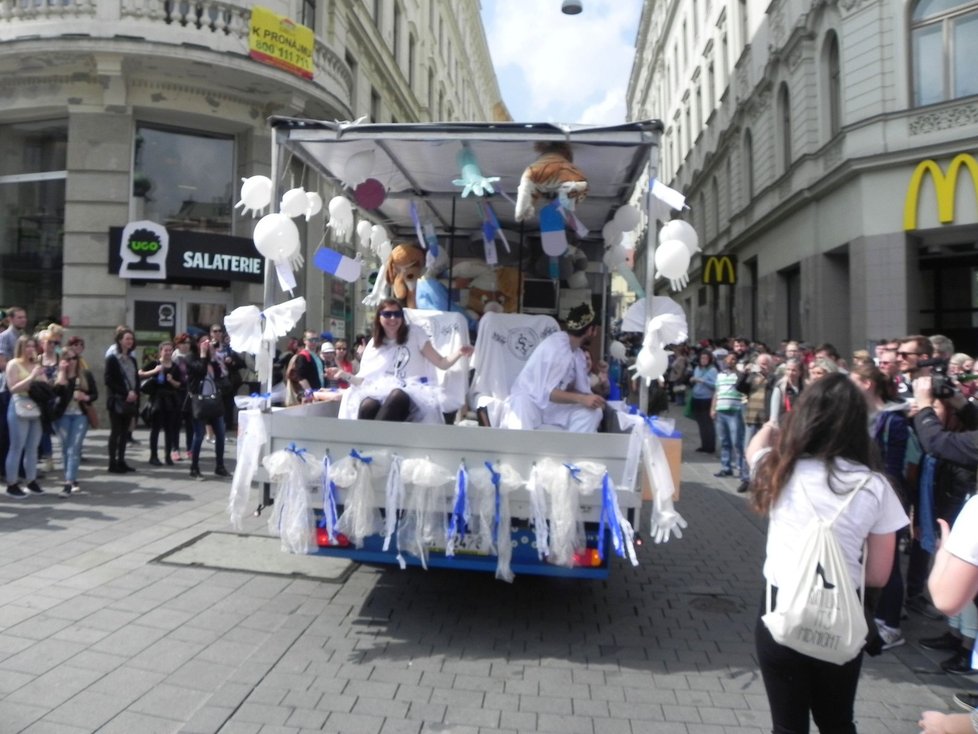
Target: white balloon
611, 234
276, 237
358, 167
340, 216
678, 229
256, 194
651, 364
614, 256
672, 259
629, 240
314, 204
363, 233
617, 350
626, 218
294, 202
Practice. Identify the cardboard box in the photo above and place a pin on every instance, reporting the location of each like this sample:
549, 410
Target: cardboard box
674, 455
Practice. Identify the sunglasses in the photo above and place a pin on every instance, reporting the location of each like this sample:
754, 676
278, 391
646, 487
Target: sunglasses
391, 314
908, 354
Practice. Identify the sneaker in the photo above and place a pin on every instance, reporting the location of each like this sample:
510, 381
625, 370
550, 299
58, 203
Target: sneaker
966, 701
195, 473
175, 456
743, 487
75, 489
154, 461
188, 456
14, 490
891, 636
34, 487
947, 641
723, 473
66, 492
921, 605
210, 439
959, 664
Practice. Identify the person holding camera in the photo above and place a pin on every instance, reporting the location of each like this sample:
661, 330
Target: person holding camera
203, 374
954, 484
79, 390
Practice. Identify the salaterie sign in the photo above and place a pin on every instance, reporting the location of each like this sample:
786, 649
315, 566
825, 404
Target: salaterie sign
148, 251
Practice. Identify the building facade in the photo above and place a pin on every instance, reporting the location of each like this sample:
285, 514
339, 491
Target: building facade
828, 153
118, 111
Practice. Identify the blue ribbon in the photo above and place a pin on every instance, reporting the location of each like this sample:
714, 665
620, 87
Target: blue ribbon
654, 424
357, 455
928, 472
575, 472
297, 451
610, 519
329, 501
456, 526
496, 478
263, 395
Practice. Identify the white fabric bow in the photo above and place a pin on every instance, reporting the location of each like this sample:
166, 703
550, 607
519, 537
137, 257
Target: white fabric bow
249, 333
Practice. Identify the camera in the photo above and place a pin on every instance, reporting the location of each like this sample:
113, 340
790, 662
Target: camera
943, 387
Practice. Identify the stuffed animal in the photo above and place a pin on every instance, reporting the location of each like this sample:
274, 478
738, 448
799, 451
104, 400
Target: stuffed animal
405, 266
553, 172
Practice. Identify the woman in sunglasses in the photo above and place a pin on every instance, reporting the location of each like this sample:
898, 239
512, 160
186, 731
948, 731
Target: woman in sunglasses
392, 383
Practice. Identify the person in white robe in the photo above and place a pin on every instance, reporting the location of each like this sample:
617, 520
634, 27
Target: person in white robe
553, 390
392, 383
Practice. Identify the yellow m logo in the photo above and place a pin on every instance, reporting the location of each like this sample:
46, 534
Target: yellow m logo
719, 269
944, 187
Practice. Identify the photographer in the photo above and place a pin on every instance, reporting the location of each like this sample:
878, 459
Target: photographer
953, 485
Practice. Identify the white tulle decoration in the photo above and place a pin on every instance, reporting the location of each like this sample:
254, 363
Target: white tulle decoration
256, 332
251, 442
256, 194
292, 517
556, 492
509, 480
361, 518
340, 217
424, 520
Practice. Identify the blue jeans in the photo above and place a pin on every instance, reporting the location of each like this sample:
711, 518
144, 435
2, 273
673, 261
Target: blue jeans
25, 436
730, 434
71, 430
218, 424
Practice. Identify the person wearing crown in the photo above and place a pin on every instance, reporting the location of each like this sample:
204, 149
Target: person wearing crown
553, 390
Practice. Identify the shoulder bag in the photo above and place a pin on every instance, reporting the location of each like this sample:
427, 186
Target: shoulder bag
205, 407
24, 407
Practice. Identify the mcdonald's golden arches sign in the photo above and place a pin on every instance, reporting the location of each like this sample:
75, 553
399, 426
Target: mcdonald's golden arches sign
719, 269
945, 188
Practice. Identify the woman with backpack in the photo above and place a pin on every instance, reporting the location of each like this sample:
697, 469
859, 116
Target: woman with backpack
819, 467
786, 390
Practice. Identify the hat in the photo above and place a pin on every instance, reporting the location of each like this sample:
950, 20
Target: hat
327, 347
580, 317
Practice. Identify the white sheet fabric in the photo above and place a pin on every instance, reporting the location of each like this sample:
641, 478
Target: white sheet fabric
448, 332
553, 365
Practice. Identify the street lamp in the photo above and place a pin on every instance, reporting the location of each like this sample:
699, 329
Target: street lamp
571, 7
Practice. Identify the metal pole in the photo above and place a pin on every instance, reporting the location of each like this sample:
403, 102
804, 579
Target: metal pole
268, 295
650, 235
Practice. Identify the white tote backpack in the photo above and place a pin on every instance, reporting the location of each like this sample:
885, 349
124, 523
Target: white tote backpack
818, 611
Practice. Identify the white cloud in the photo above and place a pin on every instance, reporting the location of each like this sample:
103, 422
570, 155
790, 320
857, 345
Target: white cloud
555, 67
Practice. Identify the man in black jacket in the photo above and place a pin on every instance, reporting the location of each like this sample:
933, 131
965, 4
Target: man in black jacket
953, 485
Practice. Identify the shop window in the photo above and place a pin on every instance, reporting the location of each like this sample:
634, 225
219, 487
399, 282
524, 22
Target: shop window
32, 205
941, 32
184, 180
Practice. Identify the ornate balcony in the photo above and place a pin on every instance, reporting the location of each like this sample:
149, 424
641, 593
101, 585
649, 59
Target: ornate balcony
220, 27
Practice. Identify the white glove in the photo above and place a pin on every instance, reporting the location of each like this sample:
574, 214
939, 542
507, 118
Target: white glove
666, 522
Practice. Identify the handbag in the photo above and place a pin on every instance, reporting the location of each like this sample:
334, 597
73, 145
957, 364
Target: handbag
207, 407
89, 410
121, 406
24, 407
688, 405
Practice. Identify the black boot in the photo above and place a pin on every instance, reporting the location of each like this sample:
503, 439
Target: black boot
115, 468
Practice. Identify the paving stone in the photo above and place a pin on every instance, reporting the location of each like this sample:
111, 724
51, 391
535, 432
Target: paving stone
129, 721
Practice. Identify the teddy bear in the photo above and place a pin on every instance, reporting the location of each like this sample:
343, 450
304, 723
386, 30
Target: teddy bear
552, 173
405, 266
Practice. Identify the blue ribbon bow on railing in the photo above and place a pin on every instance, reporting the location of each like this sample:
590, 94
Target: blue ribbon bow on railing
609, 519
575, 472
357, 455
262, 395
292, 448
654, 424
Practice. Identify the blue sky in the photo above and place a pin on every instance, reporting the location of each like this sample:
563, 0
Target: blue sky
559, 68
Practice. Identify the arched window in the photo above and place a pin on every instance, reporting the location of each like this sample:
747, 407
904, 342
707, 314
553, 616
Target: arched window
941, 32
715, 207
784, 119
748, 166
833, 82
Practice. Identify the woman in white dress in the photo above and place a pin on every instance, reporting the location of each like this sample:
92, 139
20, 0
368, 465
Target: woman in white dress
392, 383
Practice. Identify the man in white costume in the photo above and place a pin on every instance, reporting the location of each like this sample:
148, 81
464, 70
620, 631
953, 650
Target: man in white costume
553, 389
